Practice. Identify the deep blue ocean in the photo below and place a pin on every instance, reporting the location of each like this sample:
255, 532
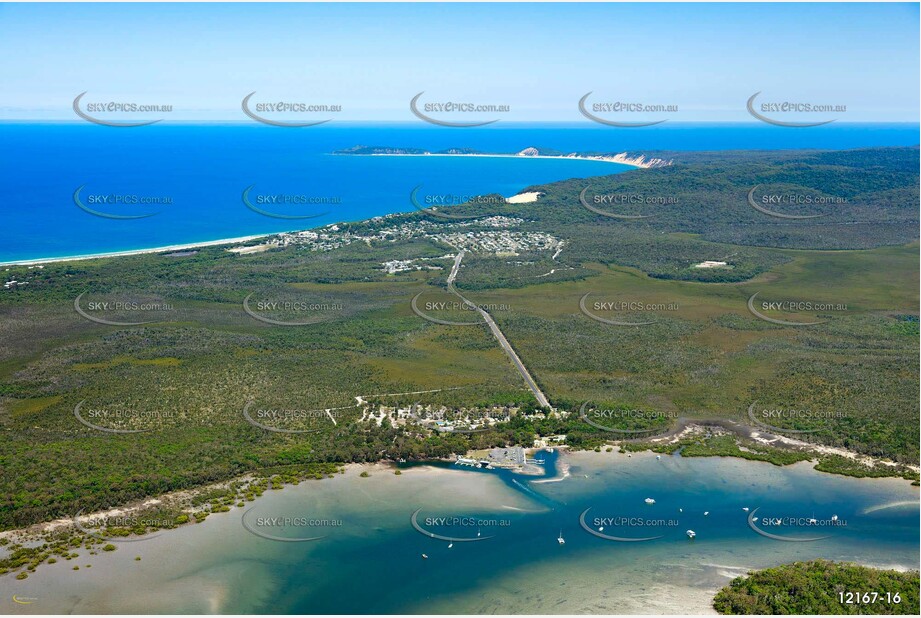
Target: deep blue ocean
196, 174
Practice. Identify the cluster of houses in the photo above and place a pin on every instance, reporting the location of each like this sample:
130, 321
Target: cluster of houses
439, 418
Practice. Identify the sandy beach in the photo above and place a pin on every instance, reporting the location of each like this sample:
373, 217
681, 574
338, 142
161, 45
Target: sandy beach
196, 568
168, 248
217, 567
620, 158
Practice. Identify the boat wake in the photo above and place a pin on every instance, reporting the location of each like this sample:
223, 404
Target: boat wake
534, 494
520, 510
890, 505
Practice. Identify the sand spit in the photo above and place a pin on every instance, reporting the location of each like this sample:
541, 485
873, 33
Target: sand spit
687, 427
623, 158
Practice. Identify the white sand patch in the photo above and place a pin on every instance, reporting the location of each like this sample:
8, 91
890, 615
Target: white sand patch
250, 249
711, 264
865, 460
524, 198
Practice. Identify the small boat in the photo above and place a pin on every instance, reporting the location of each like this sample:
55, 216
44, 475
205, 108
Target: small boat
450, 545
681, 510
812, 520
550, 450
425, 556
600, 528
745, 508
754, 519
560, 538
691, 534
649, 501
658, 457
834, 518
478, 533
706, 513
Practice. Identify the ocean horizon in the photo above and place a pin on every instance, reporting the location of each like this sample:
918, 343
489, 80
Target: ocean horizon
396, 309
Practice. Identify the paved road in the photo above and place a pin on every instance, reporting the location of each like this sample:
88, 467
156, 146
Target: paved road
454, 269
497, 333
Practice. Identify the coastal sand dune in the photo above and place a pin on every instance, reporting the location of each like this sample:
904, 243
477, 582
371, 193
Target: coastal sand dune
523, 198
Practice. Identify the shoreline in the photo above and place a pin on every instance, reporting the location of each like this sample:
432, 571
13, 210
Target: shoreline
639, 162
179, 496
686, 427
158, 555
131, 252
564, 472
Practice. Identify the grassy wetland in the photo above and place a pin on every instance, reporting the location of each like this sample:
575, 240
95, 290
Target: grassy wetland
283, 363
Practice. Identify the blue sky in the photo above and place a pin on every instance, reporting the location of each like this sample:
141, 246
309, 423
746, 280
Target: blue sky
537, 58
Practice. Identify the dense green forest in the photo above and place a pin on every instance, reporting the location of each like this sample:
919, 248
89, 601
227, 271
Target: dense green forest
182, 380
821, 587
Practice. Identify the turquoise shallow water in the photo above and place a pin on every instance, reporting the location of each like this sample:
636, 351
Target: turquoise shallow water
371, 561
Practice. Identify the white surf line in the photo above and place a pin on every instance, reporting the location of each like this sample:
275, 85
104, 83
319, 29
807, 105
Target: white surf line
134, 252
497, 333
